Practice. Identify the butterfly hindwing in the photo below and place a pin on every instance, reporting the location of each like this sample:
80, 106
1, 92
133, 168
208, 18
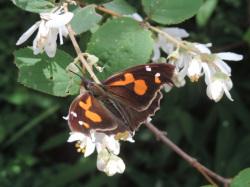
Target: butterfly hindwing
137, 86
134, 118
86, 113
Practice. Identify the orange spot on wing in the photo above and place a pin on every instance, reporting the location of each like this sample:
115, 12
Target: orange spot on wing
140, 87
129, 78
87, 105
86, 125
93, 116
157, 80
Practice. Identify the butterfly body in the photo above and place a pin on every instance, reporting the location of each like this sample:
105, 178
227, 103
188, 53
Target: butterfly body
122, 102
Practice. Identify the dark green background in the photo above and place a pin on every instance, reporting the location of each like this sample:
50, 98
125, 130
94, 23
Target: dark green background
33, 148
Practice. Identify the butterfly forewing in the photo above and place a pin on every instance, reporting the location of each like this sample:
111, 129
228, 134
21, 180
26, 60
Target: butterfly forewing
138, 86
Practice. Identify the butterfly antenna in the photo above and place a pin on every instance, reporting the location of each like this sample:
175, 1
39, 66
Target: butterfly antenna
80, 68
85, 82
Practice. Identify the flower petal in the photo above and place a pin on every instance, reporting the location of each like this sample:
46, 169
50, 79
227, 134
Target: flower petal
50, 46
28, 33
227, 93
36, 49
215, 90
194, 69
76, 136
223, 66
59, 20
112, 144
90, 147
176, 32
202, 48
114, 165
208, 73
230, 56
102, 159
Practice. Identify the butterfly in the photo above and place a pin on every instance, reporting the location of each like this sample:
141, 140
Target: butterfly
122, 102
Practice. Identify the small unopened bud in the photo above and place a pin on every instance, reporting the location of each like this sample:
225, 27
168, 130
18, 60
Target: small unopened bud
72, 68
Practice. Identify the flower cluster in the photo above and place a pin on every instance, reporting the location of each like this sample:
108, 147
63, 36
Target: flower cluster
107, 147
49, 27
194, 60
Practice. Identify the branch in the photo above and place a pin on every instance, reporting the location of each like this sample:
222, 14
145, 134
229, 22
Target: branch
167, 36
207, 173
78, 50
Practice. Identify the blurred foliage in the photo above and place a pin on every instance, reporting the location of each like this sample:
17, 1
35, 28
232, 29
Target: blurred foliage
33, 134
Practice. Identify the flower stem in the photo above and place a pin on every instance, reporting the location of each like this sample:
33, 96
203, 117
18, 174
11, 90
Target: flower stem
107, 11
79, 52
207, 173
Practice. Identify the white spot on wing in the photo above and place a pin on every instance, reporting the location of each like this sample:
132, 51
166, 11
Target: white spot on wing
157, 75
73, 114
80, 122
66, 117
148, 68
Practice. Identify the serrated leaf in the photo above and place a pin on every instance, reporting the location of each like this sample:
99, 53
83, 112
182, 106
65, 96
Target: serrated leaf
242, 179
171, 11
36, 6
120, 6
205, 12
119, 44
45, 74
84, 19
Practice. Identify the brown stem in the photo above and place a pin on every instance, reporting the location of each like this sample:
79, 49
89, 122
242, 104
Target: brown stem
107, 11
207, 173
79, 52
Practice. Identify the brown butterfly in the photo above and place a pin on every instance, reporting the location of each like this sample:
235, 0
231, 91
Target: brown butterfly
122, 102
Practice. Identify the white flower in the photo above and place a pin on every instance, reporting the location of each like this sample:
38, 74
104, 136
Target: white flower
162, 43
84, 143
181, 61
218, 86
109, 163
51, 25
107, 146
194, 70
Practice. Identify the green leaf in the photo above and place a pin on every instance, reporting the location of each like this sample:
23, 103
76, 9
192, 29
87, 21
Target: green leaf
84, 19
120, 6
171, 11
208, 186
119, 44
205, 12
242, 179
45, 74
36, 6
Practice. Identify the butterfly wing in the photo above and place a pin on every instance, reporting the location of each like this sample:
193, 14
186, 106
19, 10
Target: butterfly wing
134, 118
86, 113
138, 86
